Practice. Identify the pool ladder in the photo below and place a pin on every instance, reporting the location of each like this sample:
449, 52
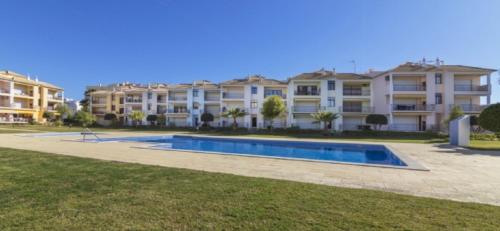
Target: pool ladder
87, 132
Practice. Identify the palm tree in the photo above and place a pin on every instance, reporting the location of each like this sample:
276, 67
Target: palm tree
234, 113
325, 117
136, 117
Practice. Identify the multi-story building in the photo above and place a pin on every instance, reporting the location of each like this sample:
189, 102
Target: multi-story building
413, 96
419, 96
347, 94
23, 99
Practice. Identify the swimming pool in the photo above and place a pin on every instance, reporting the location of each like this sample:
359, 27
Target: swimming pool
315, 151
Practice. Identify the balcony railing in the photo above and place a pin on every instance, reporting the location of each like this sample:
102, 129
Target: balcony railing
22, 93
356, 92
359, 109
177, 110
14, 120
283, 96
229, 95
470, 107
99, 101
409, 88
54, 97
307, 109
133, 100
311, 93
177, 98
224, 109
413, 107
460, 87
212, 98
4, 91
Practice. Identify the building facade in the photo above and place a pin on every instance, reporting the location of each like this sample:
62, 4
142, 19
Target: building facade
24, 100
413, 96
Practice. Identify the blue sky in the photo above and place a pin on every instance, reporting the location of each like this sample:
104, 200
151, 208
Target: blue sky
77, 43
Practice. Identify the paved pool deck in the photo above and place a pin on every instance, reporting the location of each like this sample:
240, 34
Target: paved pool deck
454, 173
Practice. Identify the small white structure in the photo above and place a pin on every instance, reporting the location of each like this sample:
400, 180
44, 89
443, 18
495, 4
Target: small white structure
460, 131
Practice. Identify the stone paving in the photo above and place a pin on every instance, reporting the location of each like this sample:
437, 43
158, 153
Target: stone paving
455, 174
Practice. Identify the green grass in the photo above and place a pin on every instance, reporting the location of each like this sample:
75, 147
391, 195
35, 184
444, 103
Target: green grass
40, 191
485, 145
370, 137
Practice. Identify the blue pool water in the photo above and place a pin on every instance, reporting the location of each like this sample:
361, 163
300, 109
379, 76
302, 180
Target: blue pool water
318, 151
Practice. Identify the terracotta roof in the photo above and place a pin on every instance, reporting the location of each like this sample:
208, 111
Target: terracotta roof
254, 79
16, 77
417, 67
324, 74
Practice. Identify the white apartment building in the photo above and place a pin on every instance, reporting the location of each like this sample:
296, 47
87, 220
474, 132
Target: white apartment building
413, 96
419, 96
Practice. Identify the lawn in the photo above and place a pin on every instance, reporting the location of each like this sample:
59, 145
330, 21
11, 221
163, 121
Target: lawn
485, 145
399, 137
53, 192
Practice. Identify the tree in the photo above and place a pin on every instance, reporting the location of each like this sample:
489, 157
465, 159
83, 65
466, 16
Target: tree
273, 107
162, 120
84, 118
136, 117
489, 118
377, 120
206, 118
325, 117
456, 111
49, 116
234, 113
63, 110
152, 119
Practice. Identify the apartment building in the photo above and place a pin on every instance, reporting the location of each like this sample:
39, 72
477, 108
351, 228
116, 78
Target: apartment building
347, 94
413, 96
23, 99
419, 96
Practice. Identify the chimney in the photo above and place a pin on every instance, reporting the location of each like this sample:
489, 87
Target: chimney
333, 71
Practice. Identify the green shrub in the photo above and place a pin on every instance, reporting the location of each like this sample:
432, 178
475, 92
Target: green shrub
489, 118
376, 119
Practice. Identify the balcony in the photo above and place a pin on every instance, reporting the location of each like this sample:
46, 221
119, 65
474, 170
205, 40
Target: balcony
459, 87
99, 101
282, 95
241, 109
470, 107
22, 93
177, 110
133, 100
409, 88
212, 98
177, 98
4, 91
357, 109
356, 92
307, 109
308, 93
413, 107
231, 95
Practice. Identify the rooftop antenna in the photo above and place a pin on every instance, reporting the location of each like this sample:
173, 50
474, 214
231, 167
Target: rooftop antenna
353, 64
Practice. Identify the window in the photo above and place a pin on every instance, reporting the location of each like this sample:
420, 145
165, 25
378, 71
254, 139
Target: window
113, 108
331, 85
195, 107
149, 107
331, 101
195, 92
159, 98
439, 98
439, 78
150, 95
254, 90
253, 104
112, 97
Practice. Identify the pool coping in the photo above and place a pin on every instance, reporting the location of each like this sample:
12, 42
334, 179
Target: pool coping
411, 164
